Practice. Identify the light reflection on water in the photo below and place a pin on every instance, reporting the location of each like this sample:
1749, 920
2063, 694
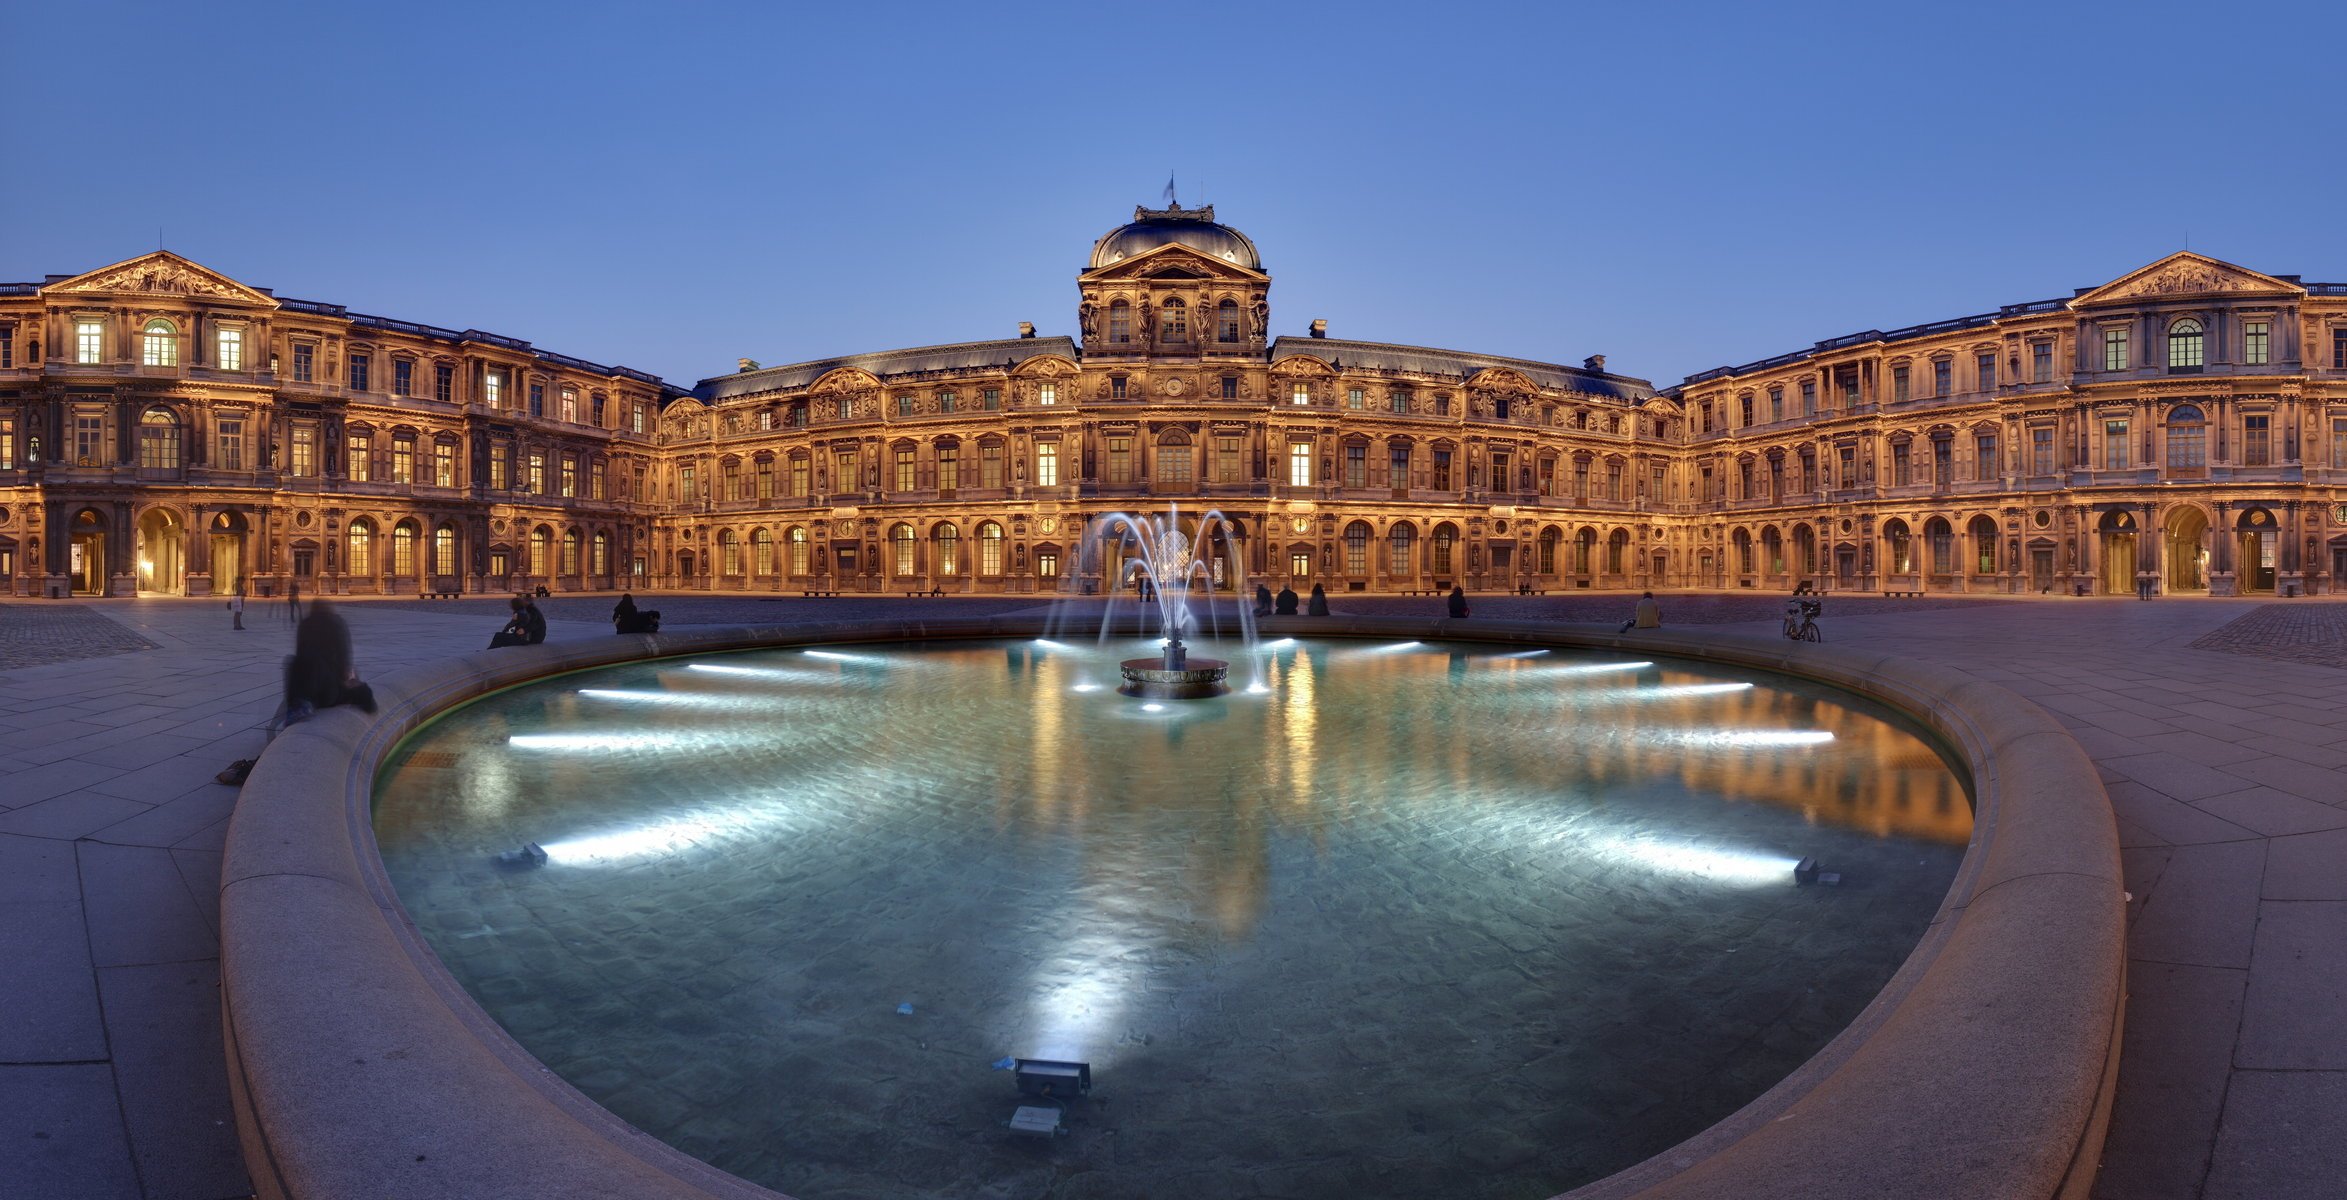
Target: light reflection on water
1289, 930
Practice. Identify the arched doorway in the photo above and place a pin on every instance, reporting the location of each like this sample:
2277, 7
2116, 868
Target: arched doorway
2257, 540
228, 537
2117, 531
2187, 556
162, 552
86, 558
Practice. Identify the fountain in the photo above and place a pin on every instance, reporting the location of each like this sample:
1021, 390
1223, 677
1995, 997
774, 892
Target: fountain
1164, 561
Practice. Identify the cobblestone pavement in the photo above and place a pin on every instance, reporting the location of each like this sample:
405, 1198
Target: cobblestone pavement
2228, 777
53, 632
2311, 632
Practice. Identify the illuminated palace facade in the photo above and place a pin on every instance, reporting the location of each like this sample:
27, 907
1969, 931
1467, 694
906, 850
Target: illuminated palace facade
166, 429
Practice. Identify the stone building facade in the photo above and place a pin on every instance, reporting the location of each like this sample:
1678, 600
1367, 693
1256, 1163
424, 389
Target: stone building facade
166, 429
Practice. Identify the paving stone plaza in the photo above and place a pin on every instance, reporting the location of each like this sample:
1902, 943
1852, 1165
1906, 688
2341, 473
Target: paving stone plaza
2219, 727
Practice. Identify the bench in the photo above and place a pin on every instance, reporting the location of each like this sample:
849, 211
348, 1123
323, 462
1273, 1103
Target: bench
448, 595
1899, 595
818, 592
1531, 591
918, 592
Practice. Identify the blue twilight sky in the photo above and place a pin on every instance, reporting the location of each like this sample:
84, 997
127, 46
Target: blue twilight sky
672, 186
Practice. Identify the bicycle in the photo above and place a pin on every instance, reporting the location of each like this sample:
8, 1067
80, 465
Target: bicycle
1801, 622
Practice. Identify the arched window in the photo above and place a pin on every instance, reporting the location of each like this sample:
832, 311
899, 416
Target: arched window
1804, 550
1743, 540
570, 552
762, 549
949, 543
159, 344
1444, 537
359, 542
1120, 322
2184, 343
541, 550
403, 549
1772, 551
1357, 549
900, 541
1902, 547
1984, 545
1176, 327
990, 549
444, 551
1226, 322
1617, 552
1549, 538
798, 550
1939, 540
1403, 540
729, 552
2187, 438
599, 552
159, 440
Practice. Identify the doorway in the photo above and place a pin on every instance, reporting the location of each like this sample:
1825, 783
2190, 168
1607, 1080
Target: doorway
228, 536
2187, 557
87, 553
161, 553
2258, 539
2117, 534
2041, 568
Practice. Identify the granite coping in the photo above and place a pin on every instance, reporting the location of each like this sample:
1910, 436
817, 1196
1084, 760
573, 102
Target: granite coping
1984, 1068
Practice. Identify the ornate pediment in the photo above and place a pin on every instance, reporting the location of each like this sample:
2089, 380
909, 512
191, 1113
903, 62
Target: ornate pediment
2188, 274
161, 273
1173, 261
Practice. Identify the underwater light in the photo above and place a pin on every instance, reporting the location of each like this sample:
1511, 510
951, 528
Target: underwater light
1085, 687
627, 843
1725, 865
605, 741
1152, 708
1525, 653
1388, 649
1257, 689
1049, 644
836, 656
1597, 668
1768, 737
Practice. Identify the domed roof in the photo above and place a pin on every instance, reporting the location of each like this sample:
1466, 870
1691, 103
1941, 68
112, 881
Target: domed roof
1192, 227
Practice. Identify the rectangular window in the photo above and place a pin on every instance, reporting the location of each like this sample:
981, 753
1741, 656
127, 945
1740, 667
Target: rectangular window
1230, 387
231, 350
1120, 460
1943, 461
1301, 393
904, 406
1984, 456
2254, 341
1174, 464
89, 341
1116, 387
89, 439
904, 470
1047, 393
1398, 468
1299, 464
1901, 385
1047, 464
688, 484
230, 434
305, 362
1399, 400
2118, 450
766, 479
570, 476
7, 346
801, 472
990, 465
1902, 465
1229, 461
636, 412
537, 477
991, 399
843, 471
602, 401
305, 450
444, 464
1356, 466
362, 458
2041, 362
1847, 475
1776, 404
1943, 377
568, 400
493, 388
7, 444
2339, 349
2115, 355
361, 366
2041, 452
1499, 471
1744, 409
444, 383
499, 470
2257, 444
2339, 441
1442, 470
1580, 479
947, 402
403, 459
1613, 481
1355, 398
1984, 370
403, 377
1808, 397
595, 490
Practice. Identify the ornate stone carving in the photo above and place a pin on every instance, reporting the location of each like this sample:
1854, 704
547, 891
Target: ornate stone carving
163, 274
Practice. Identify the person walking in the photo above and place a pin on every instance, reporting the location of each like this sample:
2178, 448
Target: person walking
236, 610
1458, 601
1317, 606
293, 602
1647, 615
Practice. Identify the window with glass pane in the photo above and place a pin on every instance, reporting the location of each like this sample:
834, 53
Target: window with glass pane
1116, 387
444, 383
2256, 440
403, 458
537, 477
499, 466
2041, 362
1175, 327
570, 476
904, 469
159, 344
1355, 398
1943, 461
1943, 377
1808, 398
403, 549
2339, 441
305, 450
2254, 342
2184, 344
990, 465
1357, 548
1443, 539
1900, 385
1299, 464
1442, 470
444, 551
595, 478
1398, 467
1174, 463
567, 404
359, 464
2187, 438
403, 377
360, 540
159, 440
799, 557
1229, 465
1403, 542
1300, 393
901, 543
990, 549
1580, 479
361, 372
949, 550
1226, 321
762, 545
1047, 393
2118, 450
1120, 460
1984, 371
1356, 466
602, 554
229, 433
2115, 357
230, 345
1399, 400
1047, 464
2041, 451
1902, 465
990, 399
444, 464
904, 406
1120, 322
305, 362
493, 388
1984, 456
598, 404
89, 341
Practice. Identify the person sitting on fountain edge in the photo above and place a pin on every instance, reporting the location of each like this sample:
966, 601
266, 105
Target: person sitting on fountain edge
1318, 605
1647, 615
1285, 603
1458, 601
1262, 601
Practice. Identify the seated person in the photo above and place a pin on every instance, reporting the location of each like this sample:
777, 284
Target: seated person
516, 631
320, 675
1285, 603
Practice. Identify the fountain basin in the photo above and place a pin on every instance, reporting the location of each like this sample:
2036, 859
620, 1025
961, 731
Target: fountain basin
1196, 679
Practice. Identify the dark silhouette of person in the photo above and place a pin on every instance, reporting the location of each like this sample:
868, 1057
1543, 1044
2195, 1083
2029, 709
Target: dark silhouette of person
1262, 601
533, 622
1318, 605
516, 631
1458, 601
319, 675
1285, 603
623, 614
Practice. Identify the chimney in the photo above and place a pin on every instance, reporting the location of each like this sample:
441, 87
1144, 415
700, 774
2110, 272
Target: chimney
1026, 329
1595, 362
1319, 327
749, 364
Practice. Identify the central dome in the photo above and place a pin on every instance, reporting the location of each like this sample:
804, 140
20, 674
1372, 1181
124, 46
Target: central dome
1192, 227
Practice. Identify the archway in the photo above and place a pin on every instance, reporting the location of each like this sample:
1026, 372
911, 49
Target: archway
2186, 551
2116, 531
87, 553
2257, 538
162, 552
228, 537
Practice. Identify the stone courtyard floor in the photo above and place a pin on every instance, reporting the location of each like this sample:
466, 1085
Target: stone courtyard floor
2220, 727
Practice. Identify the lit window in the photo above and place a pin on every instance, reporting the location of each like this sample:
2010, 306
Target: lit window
901, 544
799, 558
229, 433
1047, 394
570, 404
403, 458
1301, 393
949, 541
1047, 464
1226, 321
305, 450
231, 350
493, 389
990, 549
537, 476
570, 476
444, 551
1300, 464
89, 341
159, 345
904, 469
159, 440
2184, 345
361, 542
762, 550
305, 362
443, 464
990, 465
403, 549
2254, 340
1229, 464
949, 468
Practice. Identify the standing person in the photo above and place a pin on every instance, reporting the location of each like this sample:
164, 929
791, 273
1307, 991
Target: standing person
1458, 601
2142, 586
236, 610
623, 614
320, 675
1647, 615
1318, 605
293, 602
1285, 603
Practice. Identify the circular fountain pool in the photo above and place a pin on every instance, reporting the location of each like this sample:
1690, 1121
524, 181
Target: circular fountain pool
1397, 919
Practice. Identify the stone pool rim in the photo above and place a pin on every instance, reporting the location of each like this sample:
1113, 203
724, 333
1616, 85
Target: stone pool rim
1984, 1068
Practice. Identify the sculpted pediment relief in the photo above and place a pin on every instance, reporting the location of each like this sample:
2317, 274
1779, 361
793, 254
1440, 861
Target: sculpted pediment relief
161, 273
1175, 262
2188, 274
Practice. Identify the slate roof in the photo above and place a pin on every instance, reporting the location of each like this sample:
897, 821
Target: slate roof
962, 356
1384, 356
